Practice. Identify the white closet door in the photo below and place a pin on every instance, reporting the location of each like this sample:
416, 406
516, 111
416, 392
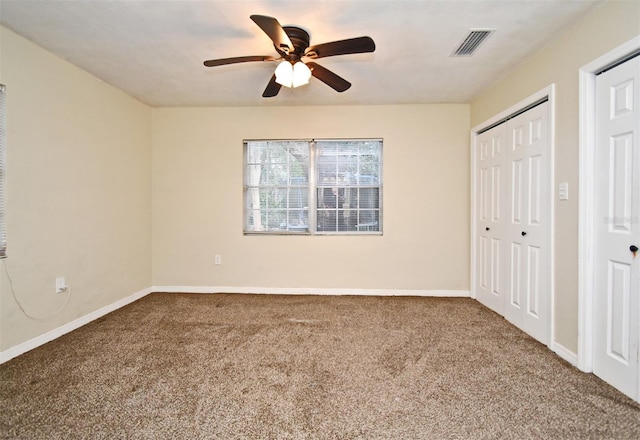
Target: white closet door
617, 227
513, 199
528, 222
490, 202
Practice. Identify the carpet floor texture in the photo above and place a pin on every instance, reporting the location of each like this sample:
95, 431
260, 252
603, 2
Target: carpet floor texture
227, 366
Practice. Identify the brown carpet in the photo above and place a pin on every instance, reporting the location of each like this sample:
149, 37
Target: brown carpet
174, 366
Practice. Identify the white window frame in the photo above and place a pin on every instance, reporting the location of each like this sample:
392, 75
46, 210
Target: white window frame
313, 209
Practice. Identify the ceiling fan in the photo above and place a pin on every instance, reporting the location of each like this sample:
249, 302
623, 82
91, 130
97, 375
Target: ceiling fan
292, 44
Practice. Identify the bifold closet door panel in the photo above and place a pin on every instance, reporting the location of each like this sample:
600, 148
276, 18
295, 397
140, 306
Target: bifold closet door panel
491, 205
528, 222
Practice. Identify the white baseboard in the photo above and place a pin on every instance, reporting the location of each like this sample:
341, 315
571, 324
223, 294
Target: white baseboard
310, 291
73, 325
564, 353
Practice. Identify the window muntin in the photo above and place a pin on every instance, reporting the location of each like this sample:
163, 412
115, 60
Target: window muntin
342, 179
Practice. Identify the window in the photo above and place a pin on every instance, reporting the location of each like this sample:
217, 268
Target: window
3, 135
340, 179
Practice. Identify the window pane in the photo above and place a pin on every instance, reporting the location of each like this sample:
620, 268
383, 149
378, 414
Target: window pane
369, 198
368, 221
347, 220
327, 173
327, 220
276, 186
274, 174
297, 221
276, 219
349, 178
329, 197
347, 172
368, 174
298, 197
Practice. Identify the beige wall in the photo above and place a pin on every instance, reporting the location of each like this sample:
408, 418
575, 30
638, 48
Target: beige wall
605, 28
79, 184
198, 201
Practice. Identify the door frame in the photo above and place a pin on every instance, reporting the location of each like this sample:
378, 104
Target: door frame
549, 93
586, 190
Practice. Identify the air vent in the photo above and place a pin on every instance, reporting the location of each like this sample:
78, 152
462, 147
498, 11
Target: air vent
471, 42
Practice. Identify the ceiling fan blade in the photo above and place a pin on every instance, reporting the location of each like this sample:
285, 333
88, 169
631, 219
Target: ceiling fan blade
274, 30
234, 60
341, 47
272, 88
334, 81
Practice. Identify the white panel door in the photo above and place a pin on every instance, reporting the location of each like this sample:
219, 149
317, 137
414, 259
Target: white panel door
490, 202
513, 199
528, 222
617, 227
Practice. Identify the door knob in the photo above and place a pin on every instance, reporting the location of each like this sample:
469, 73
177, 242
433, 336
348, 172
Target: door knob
633, 248
524, 233
487, 228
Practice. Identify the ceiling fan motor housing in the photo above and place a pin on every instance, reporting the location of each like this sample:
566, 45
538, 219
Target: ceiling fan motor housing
300, 40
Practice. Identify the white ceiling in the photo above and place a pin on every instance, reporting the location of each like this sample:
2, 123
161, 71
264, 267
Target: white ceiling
153, 49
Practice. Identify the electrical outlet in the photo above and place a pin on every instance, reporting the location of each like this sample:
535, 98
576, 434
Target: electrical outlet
61, 285
217, 259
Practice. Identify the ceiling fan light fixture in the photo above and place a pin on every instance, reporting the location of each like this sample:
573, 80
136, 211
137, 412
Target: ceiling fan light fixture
292, 75
301, 74
284, 74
